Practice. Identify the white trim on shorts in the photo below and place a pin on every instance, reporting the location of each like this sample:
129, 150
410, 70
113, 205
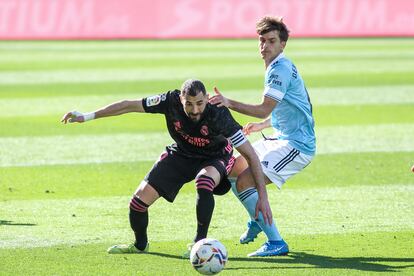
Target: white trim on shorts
279, 160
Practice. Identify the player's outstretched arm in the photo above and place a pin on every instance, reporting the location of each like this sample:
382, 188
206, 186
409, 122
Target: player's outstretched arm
114, 109
247, 151
262, 110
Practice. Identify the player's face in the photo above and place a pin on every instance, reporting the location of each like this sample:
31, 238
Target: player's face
194, 105
270, 45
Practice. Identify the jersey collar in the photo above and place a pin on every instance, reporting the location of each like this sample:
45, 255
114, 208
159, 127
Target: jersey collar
280, 56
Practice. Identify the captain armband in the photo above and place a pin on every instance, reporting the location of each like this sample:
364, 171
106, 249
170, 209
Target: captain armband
238, 138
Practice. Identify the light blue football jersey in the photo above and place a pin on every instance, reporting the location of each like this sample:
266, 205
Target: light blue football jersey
292, 117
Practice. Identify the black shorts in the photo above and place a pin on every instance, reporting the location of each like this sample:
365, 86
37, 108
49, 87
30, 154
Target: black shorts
173, 170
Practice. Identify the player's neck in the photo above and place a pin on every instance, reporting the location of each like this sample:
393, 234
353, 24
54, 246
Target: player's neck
270, 60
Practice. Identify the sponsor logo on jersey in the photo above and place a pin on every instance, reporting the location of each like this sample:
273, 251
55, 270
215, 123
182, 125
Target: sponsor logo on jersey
273, 80
195, 141
265, 163
153, 100
204, 130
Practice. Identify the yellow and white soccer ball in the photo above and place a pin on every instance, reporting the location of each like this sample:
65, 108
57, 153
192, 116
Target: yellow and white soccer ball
208, 256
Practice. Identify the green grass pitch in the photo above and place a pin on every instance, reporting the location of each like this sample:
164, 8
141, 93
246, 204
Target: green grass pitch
64, 190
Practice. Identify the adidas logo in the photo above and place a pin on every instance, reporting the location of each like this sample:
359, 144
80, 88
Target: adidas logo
265, 163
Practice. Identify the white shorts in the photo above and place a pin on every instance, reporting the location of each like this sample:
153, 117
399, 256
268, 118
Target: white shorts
280, 160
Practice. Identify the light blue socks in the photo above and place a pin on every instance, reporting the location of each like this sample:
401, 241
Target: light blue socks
249, 198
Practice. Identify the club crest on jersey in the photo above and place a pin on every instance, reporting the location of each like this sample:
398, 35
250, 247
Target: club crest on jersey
177, 125
153, 100
204, 130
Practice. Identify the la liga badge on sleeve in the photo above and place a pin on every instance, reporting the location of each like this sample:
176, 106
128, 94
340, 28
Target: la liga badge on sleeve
153, 100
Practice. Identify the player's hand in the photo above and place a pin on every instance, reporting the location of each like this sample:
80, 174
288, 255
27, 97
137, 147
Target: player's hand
252, 127
73, 117
264, 207
218, 99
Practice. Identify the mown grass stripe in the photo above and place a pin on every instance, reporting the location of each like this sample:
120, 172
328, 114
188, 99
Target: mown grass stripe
389, 94
121, 178
251, 82
161, 56
339, 210
14, 56
231, 44
150, 45
370, 138
81, 149
29, 151
404, 94
182, 72
130, 74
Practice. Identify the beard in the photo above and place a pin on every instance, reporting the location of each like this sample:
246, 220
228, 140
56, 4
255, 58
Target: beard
194, 117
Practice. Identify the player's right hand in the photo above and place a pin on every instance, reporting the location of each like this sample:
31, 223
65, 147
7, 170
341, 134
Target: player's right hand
263, 206
218, 99
73, 117
252, 127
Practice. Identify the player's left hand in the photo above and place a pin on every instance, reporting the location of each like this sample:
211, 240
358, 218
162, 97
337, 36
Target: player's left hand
263, 206
219, 99
252, 127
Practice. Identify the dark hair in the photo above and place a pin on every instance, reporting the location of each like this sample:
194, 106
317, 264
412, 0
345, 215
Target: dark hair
271, 23
192, 87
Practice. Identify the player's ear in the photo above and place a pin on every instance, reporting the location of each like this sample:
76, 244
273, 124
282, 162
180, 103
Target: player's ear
182, 98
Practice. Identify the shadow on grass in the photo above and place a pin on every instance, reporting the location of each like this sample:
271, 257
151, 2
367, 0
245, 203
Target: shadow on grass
165, 255
302, 260
9, 222
327, 262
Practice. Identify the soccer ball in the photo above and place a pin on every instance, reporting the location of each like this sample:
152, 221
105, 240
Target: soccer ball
208, 256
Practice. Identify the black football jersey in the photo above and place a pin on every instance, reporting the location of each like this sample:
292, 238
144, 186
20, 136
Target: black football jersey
214, 134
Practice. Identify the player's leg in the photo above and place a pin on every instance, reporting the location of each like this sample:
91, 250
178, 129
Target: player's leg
280, 161
165, 179
144, 196
207, 178
209, 181
212, 179
248, 196
261, 147
240, 165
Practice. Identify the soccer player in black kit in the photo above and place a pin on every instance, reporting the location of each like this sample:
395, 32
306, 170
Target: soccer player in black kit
204, 137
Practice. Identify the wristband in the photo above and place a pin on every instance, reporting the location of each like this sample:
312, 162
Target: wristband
89, 116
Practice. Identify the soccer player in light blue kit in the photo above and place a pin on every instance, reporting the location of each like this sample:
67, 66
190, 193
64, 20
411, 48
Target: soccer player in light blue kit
286, 108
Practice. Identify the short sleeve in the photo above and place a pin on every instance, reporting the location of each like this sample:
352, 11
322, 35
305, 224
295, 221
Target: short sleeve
276, 82
230, 128
156, 103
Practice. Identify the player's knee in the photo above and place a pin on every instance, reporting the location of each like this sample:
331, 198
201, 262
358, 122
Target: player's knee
204, 183
138, 205
222, 188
